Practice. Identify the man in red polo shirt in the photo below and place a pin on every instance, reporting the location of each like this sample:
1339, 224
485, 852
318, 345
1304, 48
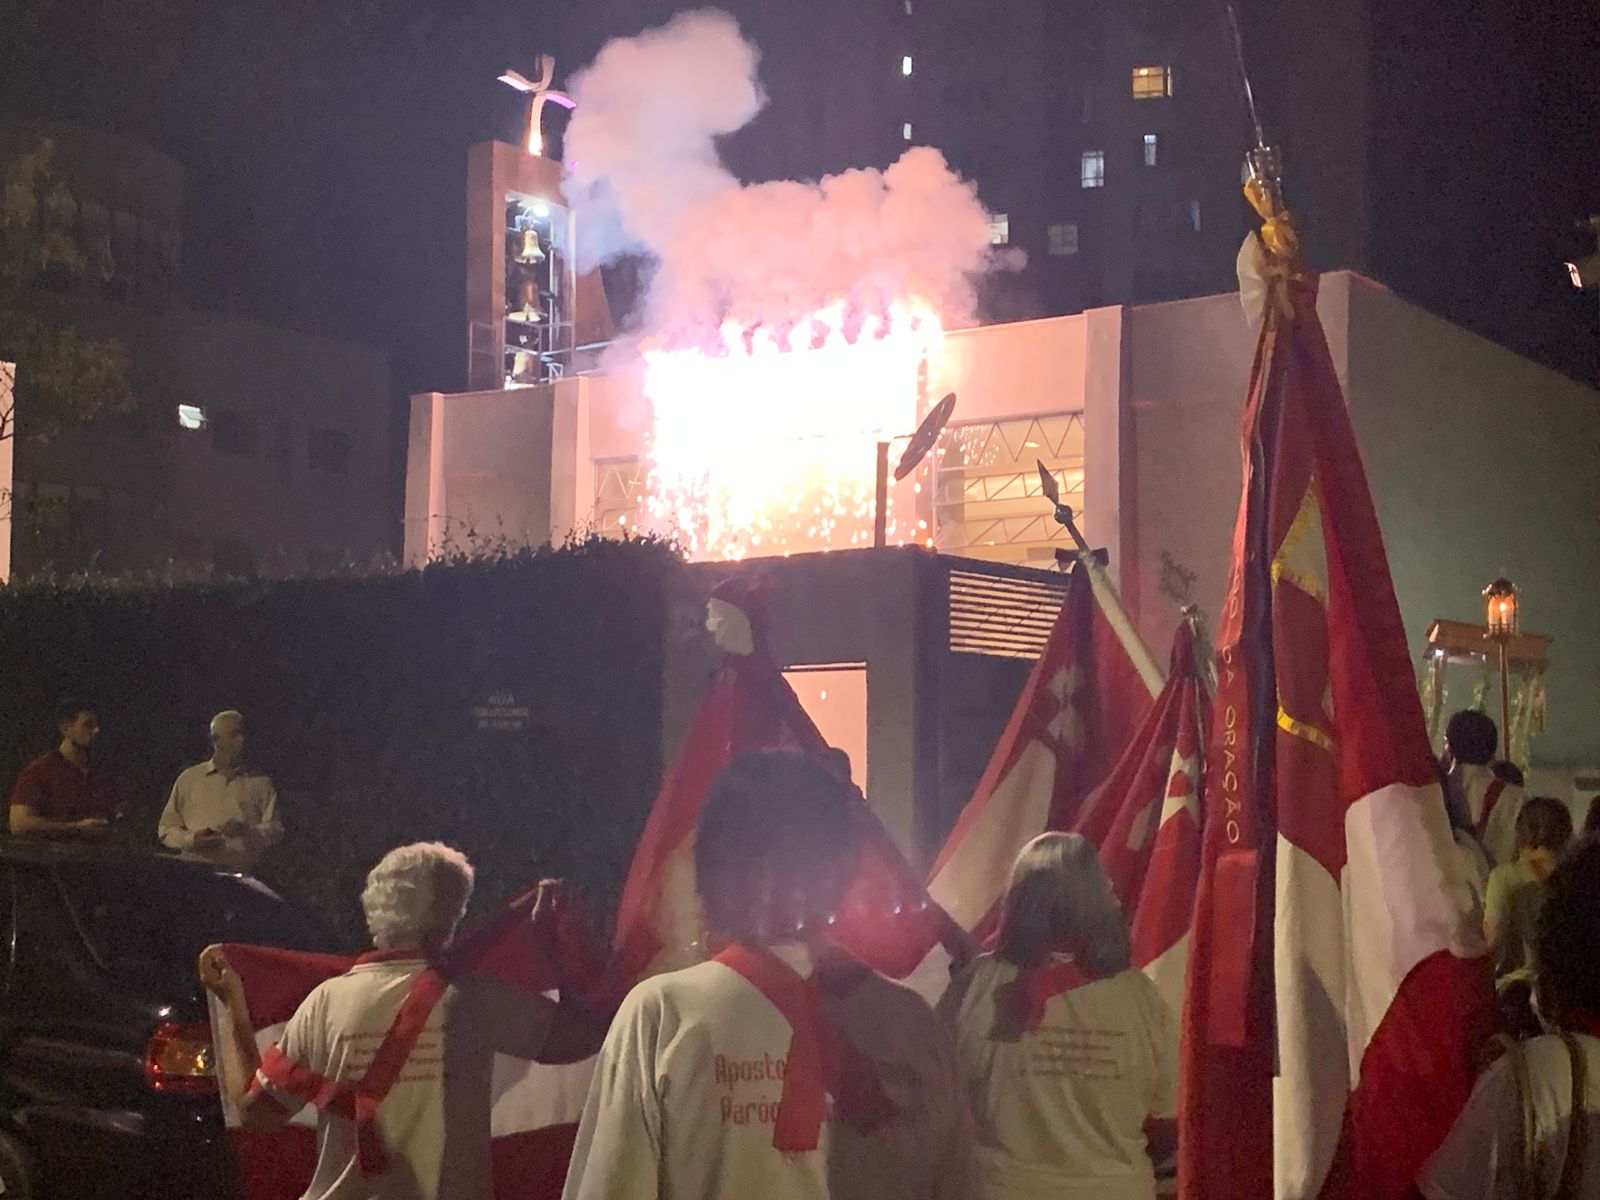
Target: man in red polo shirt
63, 794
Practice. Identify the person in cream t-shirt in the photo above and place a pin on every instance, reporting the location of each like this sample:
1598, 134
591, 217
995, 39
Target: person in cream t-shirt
781, 1069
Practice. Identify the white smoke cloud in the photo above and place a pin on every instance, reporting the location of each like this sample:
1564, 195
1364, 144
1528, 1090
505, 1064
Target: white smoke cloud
644, 174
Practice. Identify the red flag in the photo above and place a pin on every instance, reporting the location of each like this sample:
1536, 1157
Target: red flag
885, 919
1147, 822
535, 1107
1334, 979
1078, 711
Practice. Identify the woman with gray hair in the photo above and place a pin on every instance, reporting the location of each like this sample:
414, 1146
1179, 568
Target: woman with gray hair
1065, 1050
423, 1131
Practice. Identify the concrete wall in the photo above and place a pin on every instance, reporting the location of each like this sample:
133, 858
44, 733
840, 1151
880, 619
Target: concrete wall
1007, 370
1484, 462
1478, 460
505, 466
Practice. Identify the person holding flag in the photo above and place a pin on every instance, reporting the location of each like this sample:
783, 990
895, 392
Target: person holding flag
396, 1054
781, 1069
1066, 1049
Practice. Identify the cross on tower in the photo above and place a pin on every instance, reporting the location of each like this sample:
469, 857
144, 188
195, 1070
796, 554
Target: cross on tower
537, 94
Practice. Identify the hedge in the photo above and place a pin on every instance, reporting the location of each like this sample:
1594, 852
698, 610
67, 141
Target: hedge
365, 699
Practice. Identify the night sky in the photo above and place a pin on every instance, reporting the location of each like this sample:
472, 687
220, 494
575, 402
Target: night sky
324, 143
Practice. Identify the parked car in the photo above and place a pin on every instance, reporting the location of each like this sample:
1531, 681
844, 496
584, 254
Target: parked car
106, 1074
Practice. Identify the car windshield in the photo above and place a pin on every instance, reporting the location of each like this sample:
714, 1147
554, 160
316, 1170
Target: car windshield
159, 920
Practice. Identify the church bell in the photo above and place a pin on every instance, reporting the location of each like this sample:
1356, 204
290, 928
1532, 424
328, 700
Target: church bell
528, 311
531, 251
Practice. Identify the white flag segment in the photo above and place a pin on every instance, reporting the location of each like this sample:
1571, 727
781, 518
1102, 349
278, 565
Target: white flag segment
1079, 709
1368, 883
1146, 822
972, 874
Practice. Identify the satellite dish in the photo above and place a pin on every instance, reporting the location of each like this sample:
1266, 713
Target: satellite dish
927, 433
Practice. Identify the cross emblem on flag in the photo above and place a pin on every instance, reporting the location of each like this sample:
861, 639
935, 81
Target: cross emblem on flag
1066, 727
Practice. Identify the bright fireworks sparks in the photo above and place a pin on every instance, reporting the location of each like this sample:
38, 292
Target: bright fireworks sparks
765, 443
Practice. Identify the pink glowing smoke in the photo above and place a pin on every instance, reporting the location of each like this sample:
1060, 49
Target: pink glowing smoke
644, 174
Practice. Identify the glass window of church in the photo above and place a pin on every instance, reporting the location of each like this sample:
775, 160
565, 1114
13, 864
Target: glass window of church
1152, 83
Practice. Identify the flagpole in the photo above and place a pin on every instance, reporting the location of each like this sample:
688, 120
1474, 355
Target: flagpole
1106, 591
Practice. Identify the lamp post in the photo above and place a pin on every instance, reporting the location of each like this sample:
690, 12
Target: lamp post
1501, 616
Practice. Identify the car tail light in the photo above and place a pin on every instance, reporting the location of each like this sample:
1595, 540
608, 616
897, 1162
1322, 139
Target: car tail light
179, 1058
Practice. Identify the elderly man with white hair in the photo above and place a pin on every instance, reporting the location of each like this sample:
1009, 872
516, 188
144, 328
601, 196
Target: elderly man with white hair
220, 810
421, 1128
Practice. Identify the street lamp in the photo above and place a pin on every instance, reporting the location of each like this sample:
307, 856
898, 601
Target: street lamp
1501, 617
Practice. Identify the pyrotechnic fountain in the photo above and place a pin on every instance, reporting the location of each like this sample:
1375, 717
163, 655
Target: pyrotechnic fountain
789, 326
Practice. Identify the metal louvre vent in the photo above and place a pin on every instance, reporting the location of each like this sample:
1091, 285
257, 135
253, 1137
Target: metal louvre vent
1006, 616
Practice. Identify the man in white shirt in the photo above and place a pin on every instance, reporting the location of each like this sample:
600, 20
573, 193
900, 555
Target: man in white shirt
1487, 1155
1488, 804
221, 810
398, 1059
781, 1069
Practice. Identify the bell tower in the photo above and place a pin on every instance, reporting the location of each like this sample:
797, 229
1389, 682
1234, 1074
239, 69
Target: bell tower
529, 313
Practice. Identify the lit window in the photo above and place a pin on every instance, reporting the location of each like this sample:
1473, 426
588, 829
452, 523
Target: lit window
1149, 149
1063, 240
908, 8
1152, 83
999, 229
1093, 171
905, 131
905, 64
1194, 215
191, 416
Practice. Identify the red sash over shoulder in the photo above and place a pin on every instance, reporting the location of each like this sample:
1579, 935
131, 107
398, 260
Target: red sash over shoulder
1035, 986
359, 1100
1490, 795
820, 1061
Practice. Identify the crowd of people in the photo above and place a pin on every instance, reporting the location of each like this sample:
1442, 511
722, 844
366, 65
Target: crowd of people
783, 1069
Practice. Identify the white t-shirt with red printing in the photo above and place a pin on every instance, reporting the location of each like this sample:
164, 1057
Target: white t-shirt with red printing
434, 1120
1060, 1110
686, 1094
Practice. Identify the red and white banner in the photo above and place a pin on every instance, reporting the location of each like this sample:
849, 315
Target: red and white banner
1078, 712
1334, 977
1146, 822
535, 1109
886, 919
